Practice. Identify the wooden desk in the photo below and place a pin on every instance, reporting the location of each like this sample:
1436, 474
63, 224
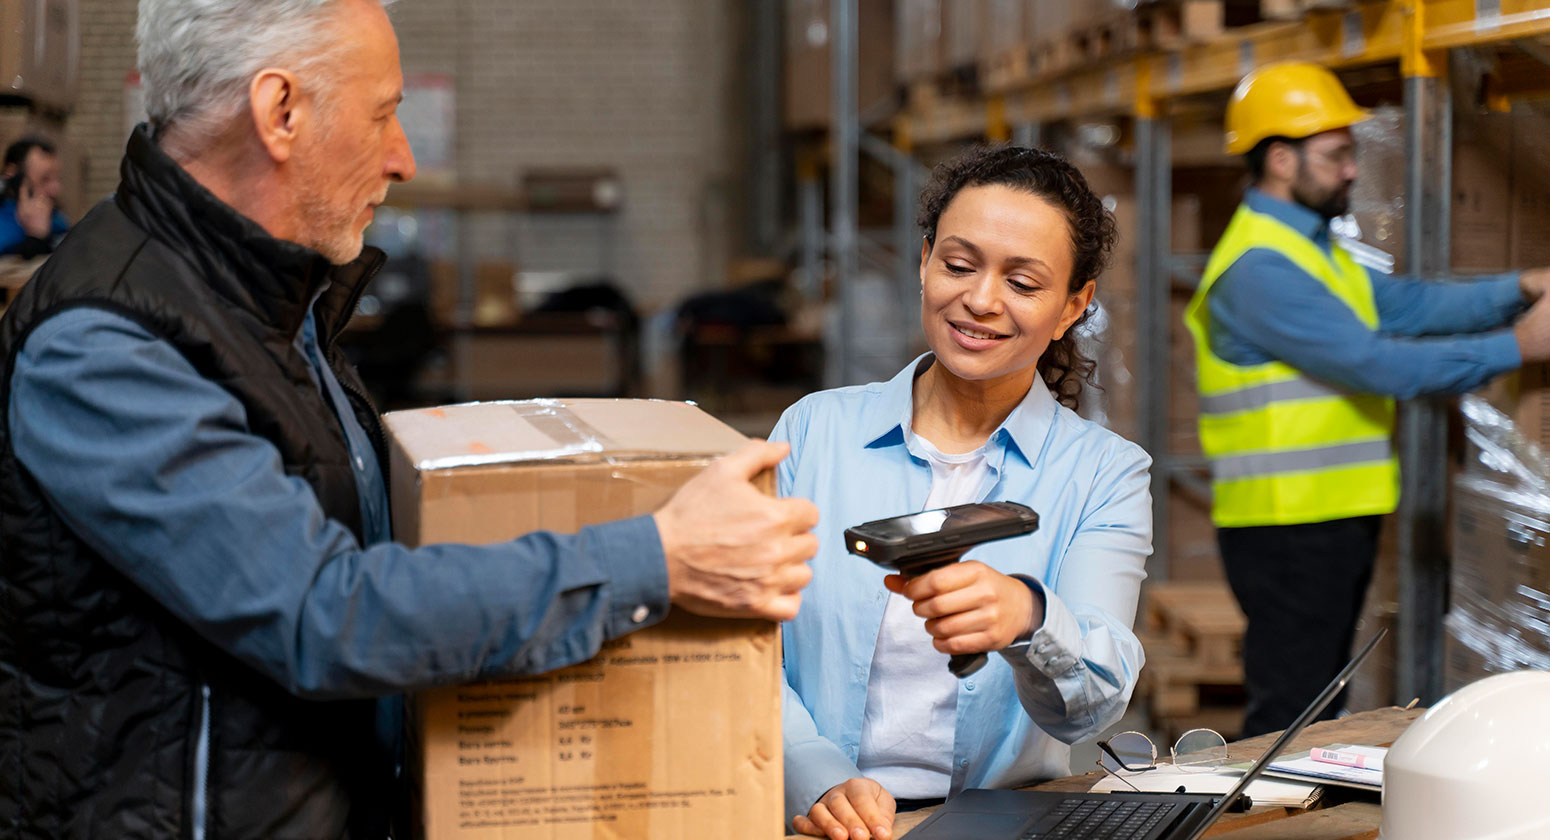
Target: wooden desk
1336, 817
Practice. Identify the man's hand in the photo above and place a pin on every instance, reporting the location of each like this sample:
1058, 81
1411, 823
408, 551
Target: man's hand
733, 551
970, 607
1533, 283
1533, 332
34, 211
857, 809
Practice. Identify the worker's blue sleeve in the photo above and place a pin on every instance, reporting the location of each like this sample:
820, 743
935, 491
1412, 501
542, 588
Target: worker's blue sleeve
1264, 308
1411, 307
154, 467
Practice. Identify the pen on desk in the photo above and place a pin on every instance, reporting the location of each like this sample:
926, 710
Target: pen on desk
1345, 759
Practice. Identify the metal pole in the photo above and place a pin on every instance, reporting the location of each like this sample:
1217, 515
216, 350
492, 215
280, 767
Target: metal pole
906, 243
810, 221
843, 183
1154, 197
1423, 431
1029, 135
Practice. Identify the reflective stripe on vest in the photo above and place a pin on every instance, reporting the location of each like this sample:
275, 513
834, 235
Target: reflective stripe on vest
1303, 460
1259, 396
1285, 448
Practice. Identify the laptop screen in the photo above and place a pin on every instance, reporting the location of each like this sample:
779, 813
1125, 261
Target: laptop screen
1325, 697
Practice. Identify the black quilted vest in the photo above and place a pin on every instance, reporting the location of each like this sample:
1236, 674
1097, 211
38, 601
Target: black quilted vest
102, 691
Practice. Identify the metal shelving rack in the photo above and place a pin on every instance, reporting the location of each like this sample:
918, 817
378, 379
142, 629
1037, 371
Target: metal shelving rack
1417, 35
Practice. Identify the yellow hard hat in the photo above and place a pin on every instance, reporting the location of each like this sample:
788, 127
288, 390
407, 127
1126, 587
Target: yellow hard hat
1287, 99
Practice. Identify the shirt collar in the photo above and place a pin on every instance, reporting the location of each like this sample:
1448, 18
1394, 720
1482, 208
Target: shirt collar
889, 421
1291, 214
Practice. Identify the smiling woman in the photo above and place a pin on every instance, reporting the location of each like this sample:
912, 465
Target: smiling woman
1014, 242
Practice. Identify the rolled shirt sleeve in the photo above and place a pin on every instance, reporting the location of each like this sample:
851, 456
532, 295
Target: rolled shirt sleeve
1076, 673
153, 466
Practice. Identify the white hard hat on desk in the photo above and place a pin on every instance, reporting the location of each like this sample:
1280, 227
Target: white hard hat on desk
1475, 766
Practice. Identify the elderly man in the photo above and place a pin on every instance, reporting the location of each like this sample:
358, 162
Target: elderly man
200, 598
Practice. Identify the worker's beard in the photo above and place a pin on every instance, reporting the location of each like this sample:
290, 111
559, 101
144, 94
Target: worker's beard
1328, 202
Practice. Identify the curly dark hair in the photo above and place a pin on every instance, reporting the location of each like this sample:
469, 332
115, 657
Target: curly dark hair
1091, 226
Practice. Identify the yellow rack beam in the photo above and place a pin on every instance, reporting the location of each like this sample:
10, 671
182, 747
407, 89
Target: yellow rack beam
1408, 31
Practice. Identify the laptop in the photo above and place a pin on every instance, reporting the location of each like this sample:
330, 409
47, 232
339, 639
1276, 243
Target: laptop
1036, 814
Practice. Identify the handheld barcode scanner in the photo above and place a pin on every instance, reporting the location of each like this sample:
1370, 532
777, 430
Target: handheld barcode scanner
916, 543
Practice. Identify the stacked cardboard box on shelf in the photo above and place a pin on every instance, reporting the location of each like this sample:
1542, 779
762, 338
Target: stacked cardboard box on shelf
1500, 589
918, 44
809, 46
1499, 599
670, 732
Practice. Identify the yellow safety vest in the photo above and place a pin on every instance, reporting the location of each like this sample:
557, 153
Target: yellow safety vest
1284, 448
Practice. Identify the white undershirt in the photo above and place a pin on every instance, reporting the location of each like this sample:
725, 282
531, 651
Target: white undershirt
911, 697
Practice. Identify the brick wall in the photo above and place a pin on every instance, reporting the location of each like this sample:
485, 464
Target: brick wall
647, 87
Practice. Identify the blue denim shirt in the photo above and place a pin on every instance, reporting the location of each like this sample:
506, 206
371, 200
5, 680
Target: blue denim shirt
154, 467
1264, 308
852, 456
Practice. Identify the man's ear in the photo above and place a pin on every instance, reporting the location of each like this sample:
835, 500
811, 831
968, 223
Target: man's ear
275, 101
1282, 161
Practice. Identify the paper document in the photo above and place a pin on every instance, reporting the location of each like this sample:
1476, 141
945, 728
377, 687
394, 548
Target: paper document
1302, 766
1166, 779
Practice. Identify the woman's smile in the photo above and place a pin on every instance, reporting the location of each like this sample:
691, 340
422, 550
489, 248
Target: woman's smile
975, 338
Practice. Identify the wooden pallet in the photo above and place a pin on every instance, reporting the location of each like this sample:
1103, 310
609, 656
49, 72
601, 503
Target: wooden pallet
1193, 637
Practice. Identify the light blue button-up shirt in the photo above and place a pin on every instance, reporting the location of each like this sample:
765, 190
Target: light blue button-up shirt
852, 456
1264, 308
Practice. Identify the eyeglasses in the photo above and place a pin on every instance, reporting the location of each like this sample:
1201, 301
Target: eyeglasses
1339, 158
1196, 751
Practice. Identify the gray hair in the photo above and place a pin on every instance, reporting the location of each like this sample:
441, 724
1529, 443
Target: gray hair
198, 57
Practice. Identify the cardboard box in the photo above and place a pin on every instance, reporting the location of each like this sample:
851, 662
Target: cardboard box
1529, 246
40, 48
918, 45
1530, 401
1005, 26
962, 24
1482, 182
1500, 580
668, 733
809, 45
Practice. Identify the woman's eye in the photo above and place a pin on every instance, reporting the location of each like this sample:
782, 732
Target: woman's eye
958, 269
1021, 287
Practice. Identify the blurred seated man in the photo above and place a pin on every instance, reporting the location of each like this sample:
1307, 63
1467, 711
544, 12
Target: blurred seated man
30, 221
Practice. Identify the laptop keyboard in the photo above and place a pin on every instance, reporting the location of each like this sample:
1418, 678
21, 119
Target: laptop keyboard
1075, 819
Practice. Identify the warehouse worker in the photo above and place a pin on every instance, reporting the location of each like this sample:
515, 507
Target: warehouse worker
1301, 353
30, 221
199, 600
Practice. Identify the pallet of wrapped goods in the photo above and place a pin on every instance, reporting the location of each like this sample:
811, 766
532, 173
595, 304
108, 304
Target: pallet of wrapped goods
1499, 594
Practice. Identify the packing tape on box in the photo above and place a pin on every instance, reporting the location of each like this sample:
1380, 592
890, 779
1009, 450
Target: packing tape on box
570, 435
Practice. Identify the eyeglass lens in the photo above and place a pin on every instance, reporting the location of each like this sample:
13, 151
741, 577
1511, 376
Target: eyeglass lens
1200, 751
1134, 751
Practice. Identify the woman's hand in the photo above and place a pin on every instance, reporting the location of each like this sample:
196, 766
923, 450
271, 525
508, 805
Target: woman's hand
970, 607
857, 809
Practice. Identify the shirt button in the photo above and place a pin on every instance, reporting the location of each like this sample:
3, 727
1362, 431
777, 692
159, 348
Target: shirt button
968, 686
963, 763
641, 614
